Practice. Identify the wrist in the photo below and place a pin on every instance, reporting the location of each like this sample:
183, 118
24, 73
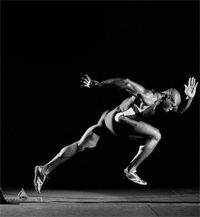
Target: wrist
93, 83
188, 97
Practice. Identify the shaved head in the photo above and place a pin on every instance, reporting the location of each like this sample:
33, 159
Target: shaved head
174, 94
173, 100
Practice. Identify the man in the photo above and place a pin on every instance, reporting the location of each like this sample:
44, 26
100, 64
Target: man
127, 119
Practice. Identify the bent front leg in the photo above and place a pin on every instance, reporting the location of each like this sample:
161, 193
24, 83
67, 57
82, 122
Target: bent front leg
152, 137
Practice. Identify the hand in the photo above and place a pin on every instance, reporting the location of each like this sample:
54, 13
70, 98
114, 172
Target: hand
190, 89
86, 81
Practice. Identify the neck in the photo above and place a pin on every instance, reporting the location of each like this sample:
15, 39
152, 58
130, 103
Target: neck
160, 95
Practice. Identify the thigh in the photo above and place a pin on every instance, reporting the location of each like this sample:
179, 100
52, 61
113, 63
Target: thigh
137, 128
93, 134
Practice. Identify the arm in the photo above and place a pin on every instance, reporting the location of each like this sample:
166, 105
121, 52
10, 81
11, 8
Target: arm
127, 84
190, 91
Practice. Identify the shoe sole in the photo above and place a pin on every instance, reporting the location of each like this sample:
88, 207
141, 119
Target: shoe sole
127, 178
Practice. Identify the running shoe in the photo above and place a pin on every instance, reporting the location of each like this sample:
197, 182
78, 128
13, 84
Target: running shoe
132, 176
39, 178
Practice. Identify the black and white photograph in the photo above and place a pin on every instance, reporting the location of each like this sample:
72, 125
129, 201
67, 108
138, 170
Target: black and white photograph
99, 108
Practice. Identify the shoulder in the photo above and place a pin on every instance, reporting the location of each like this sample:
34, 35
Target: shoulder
149, 93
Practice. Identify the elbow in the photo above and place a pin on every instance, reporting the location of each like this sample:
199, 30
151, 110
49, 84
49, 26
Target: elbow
127, 82
124, 83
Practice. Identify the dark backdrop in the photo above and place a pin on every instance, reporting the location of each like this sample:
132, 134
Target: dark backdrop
48, 46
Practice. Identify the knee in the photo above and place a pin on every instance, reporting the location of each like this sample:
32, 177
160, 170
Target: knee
63, 151
82, 145
156, 135
68, 150
153, 140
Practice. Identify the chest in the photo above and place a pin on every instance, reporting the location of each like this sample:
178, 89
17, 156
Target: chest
136, 105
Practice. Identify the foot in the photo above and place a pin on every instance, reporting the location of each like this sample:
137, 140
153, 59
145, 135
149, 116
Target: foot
132, 176
39, 178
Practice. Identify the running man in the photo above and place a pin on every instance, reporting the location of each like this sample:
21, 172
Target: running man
127, 119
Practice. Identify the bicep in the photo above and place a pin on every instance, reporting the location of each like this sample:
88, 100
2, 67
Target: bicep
134, 87
137, 89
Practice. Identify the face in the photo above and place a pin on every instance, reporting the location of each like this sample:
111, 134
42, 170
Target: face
169, 104
172, 100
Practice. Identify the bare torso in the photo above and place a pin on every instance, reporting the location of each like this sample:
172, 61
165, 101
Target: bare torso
134, 108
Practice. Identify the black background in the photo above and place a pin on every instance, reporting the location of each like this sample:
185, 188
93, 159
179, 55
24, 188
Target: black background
48, 46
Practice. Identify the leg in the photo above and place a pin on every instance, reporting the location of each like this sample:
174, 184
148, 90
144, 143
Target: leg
143, 152
88, 140
152, 137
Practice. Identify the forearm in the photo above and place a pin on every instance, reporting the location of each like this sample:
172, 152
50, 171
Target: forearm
184, 105
119, 82
122, 83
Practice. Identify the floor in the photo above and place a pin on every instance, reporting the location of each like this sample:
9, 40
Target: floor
104, 202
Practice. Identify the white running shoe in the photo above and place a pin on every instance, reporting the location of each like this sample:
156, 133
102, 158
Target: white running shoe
39, 178
132, 176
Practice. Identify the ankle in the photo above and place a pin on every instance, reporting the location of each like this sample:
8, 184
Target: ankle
44, 170
132, 169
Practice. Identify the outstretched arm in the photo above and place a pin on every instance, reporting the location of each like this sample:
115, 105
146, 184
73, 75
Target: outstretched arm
123, 83
190, 91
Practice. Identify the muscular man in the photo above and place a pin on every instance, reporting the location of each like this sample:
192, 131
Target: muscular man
127, 119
